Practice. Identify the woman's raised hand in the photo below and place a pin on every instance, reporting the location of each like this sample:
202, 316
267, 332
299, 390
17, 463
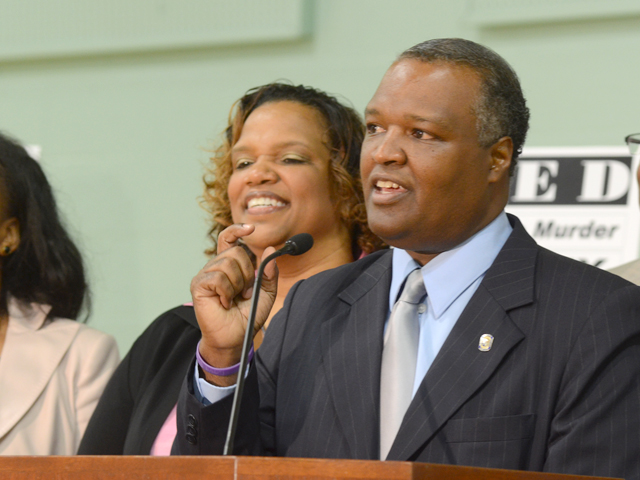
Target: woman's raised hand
221, 294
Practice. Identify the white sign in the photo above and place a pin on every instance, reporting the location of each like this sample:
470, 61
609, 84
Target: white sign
580, 202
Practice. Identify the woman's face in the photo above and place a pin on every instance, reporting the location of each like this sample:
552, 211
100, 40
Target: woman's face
280, 181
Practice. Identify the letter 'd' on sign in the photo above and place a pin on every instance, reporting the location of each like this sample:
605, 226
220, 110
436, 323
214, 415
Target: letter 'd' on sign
604, 180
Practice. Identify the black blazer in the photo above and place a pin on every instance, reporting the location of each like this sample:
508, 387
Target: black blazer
144, 387
559, 390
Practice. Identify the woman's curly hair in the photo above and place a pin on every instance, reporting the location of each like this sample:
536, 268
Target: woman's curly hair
345, 131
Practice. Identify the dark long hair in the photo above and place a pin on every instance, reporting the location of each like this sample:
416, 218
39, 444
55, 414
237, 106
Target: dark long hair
46, 267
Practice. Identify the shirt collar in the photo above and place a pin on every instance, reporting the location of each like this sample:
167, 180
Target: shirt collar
452, 272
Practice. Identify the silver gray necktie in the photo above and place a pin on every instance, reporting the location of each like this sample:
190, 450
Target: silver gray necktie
399, 357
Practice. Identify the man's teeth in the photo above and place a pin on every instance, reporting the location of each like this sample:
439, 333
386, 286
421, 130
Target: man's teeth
386, 184
265, 202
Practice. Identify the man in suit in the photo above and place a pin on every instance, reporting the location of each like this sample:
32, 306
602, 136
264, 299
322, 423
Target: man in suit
525, 359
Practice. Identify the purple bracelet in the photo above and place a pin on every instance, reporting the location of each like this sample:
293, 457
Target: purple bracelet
220, 372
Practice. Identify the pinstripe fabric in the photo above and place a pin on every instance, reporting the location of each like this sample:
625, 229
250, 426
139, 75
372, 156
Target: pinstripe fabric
559, 390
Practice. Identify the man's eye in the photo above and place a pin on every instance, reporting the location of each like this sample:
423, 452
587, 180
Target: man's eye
421, 134
372, 128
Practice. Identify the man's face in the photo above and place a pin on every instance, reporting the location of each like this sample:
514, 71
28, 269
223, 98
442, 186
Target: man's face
428, 184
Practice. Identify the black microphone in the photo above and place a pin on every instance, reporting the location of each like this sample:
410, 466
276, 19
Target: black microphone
296, 245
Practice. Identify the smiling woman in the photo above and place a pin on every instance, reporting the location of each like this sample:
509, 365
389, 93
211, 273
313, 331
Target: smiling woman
288, 164
280, 180
313, 129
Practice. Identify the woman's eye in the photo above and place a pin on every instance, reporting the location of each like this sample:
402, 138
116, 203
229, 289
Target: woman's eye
242, 163
293, 160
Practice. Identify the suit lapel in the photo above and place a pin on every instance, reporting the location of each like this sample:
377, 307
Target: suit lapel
352, 352
460, 368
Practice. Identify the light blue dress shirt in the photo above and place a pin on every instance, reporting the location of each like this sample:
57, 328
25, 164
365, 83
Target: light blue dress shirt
450, 279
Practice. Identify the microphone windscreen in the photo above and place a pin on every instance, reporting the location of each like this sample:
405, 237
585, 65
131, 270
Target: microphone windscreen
300, 243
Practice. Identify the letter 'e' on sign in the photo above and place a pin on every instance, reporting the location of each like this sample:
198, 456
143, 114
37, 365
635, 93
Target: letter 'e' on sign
580, 202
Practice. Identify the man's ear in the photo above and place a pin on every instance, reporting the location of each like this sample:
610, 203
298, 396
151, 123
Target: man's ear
9, 236
501, 153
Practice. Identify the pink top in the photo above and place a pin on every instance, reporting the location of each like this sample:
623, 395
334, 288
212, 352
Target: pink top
166, 435
163, 442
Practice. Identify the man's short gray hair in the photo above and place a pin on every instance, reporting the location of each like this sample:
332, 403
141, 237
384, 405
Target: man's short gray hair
501, 110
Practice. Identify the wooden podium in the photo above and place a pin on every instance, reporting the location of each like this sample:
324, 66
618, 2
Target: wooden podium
245, 468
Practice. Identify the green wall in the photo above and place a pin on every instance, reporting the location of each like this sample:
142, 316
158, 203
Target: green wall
124, 121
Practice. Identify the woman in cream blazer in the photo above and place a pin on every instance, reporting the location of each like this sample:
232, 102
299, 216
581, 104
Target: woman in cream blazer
52, 373
52, 369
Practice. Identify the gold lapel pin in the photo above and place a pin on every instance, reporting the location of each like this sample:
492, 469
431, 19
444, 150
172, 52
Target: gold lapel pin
486, 341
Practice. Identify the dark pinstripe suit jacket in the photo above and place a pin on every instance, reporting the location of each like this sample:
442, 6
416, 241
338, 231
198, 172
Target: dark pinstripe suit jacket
559, 390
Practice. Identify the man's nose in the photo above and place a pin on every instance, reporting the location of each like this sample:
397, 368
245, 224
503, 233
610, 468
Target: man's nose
389, 149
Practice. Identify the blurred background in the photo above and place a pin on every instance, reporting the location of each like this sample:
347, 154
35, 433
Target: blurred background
125, 97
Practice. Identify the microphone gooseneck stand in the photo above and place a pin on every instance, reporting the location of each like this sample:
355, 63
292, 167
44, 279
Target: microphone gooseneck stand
296, 245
